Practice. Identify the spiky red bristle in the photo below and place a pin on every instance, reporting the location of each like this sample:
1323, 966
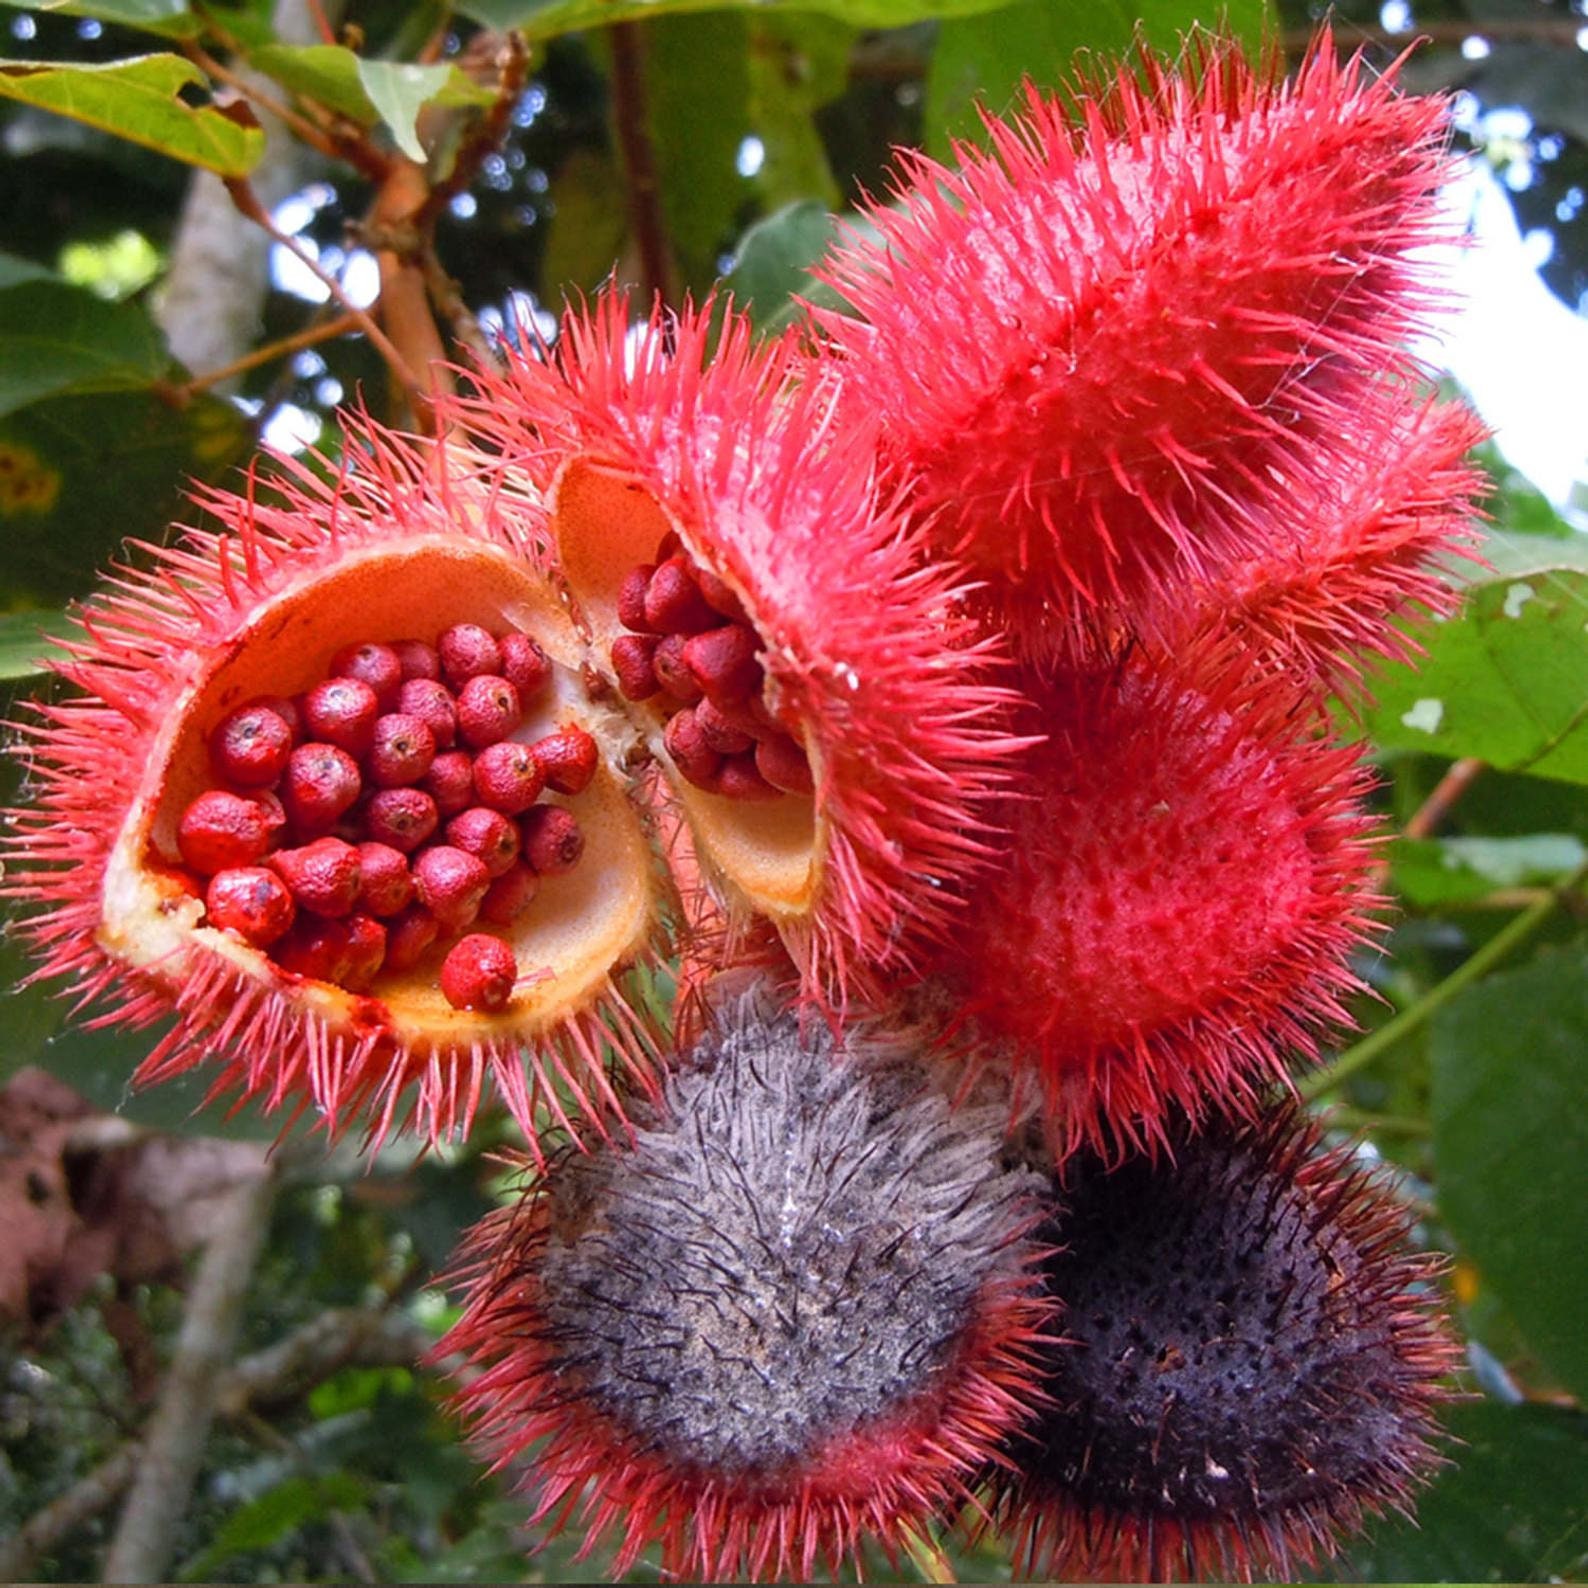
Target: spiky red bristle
147, 646
792, 1316
1251, 1363
1364, 551
1185, 877
1106, 355
864, 645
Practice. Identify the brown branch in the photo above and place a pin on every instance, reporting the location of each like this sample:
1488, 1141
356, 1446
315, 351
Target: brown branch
301, 128
512, 66
310, 336
1458, 778
639, 160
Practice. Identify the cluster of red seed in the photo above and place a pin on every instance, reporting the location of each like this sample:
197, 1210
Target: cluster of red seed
692, 648
387, 809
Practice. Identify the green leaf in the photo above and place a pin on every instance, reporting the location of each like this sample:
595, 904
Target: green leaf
25, 641
1504, 681
1509, 1509
56, 339
399, 90
276, 1513
797, 64
977, 62
1450, 870
333, 76
1510, 1115
545, 19
139, 100
15, 269
168, 17
774, 256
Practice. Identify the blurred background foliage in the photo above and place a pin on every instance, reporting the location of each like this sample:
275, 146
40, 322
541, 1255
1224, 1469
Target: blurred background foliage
150, 331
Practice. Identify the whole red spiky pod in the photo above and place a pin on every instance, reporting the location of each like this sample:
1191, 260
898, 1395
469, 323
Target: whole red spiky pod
1250, 1363
345, 1012
789, 1317
694, 479
1365, 550
1108, 354
1185, 877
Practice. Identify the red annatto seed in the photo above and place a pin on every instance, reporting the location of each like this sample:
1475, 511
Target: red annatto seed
720, 597
784, 764
409, 938
724, 663
323, 877
739, 780
322, 782
673, 602
388, 887
250, 747
508, 777
366, 952
552, 840
401, 817
342, 711
220, 830
450, 883
377, 665
275, 811
252, 902
418, 659
286, 709
525, 666
686, 744
468, 651
403, 750
631, 597
432, 703
479, 973
320, 950
450, 782
510, 895
718, 732
568, 758
672, 671
632, 664
487, 835
488, 710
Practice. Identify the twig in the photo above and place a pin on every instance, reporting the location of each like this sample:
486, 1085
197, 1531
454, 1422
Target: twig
512, 63
447, 296
1458, 778
301, 127
310, 336
639, 160
1415, 1016
67, 1512
174, 1449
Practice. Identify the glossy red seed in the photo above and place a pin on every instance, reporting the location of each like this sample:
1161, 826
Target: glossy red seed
433, 704
450, 884
468, 651
525, 666
323, 878
718, 732
418, 659
784, 764
287, 710
686, 744
673, 602
450, 782
672, 671
508, 777
724, 663
568, 758
322, 782
220, 830
366, 952
552, 840
479, 973
632, 665
631, 597
250, 901
739, 780
488, 710
487, 835
403, 750
342, 711
510, 895
720, 596
401, 817
409, 938
388, 883
249, 748
379, 666
320, 950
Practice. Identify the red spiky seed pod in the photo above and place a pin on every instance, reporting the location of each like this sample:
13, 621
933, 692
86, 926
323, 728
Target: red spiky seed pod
1250, 1363
1108, 355
406, 549
726, 472
663, 1373
1188, 871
